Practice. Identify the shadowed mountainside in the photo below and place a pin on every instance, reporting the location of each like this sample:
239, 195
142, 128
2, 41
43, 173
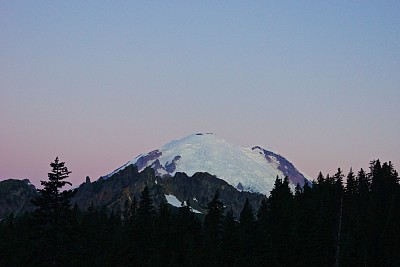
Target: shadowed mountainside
15, 196
122, 187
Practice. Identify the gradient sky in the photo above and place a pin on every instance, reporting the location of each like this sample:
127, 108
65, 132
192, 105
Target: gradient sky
99, 82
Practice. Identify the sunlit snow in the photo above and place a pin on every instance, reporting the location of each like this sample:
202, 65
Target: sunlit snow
232, 163
209, 153
172, 200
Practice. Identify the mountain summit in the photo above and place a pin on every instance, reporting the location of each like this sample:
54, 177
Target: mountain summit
247, 169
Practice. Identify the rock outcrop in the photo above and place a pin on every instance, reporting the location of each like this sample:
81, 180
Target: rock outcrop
15, 196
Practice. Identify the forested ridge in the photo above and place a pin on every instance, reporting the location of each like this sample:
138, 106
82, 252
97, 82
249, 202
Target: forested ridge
348, 219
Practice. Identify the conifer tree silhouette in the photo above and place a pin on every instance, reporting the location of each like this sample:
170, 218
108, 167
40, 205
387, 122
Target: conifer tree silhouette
52, 215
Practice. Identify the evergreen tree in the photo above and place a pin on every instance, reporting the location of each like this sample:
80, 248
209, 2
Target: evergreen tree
350, 221
279, 222
144, 228
127, 251
164, 235
7, 241
384, 185
52, 214
187, 236
262, 234
303, 233
247, 235
351, 185
338, 196
15, 245
93, 236
230, 244
360, 233
213, 231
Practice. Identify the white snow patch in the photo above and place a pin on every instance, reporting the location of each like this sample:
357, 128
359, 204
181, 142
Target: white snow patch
161, 171
195, 211
172, 200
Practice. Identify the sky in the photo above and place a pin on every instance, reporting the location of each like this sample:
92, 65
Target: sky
98, 82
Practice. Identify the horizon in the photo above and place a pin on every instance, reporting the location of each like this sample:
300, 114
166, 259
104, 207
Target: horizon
98, 83
174, 140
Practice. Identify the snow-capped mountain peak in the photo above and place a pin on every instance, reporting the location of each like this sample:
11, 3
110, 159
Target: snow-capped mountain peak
250, 169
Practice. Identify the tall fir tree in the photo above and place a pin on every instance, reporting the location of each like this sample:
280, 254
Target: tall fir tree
187, 236
279, 222
163, 229
338, 196
384, 185
52, 215
247, 235
262, 233
213, 231
144, 228
350, 221
230, 244
303, 231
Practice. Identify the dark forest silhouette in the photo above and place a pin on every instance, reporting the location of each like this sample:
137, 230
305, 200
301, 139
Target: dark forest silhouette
339, 220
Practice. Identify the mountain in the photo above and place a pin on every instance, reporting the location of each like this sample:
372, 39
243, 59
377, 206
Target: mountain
15, 196
122, 187
190, 169
247, 169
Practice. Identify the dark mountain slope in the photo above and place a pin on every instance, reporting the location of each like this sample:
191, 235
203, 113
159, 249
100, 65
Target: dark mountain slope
15, 196
122, 187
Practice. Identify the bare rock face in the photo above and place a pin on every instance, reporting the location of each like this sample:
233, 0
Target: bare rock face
122, 187
15, 196
200, 188
284, 166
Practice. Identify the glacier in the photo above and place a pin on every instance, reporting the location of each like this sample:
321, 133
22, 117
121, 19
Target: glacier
249, 169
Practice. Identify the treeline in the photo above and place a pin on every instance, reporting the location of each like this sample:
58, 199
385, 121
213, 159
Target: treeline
339, 220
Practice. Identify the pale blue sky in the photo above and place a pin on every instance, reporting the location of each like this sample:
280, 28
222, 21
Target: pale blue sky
98, 82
